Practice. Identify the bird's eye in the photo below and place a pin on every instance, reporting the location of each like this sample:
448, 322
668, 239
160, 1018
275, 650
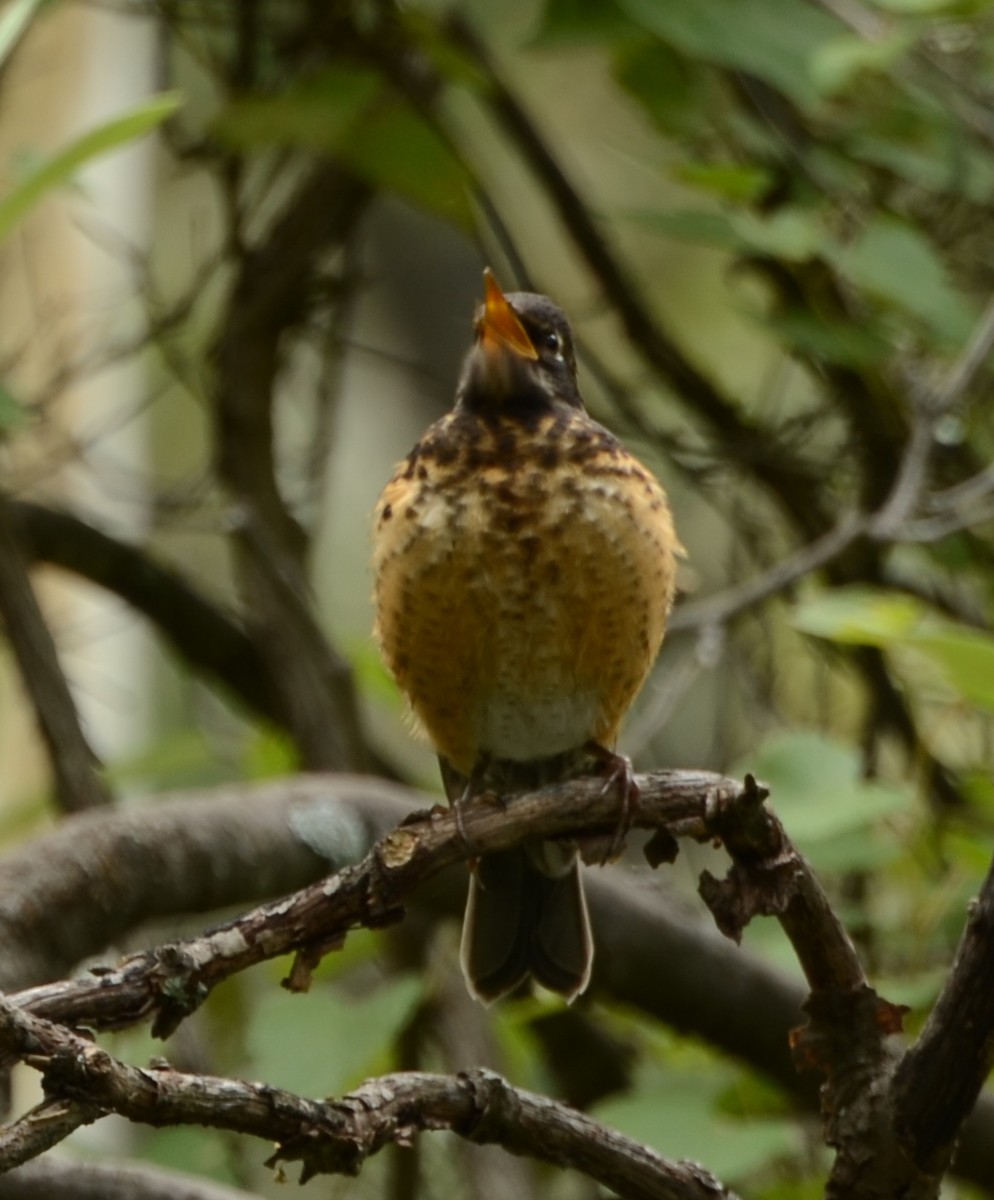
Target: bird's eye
552, 343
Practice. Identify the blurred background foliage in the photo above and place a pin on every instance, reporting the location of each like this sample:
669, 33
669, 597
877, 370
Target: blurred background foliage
770, 223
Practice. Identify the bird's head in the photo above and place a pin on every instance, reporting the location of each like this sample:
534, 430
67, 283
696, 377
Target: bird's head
522, 361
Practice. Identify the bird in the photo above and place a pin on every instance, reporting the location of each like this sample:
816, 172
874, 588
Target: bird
524, 565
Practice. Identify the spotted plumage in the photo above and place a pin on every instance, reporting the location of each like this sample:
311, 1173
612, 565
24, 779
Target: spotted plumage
524, 565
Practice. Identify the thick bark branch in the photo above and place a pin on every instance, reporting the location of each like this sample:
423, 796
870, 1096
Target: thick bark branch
271, 838
940, 1077
170, 982
692, 978
71, 892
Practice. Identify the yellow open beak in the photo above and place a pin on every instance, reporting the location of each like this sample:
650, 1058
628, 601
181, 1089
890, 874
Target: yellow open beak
498, 325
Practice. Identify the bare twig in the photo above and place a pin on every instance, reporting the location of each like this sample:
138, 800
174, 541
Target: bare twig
972, 357
78, 784
259, 842
78, 1179
907, 493
934, 529
960, 495
848, 1023
313, 683
171, 981
268, 838
722, 607
337, 1137
909, 485
41, 1129
210, 640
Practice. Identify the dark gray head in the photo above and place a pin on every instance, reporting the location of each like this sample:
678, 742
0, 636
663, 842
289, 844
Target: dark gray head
523, 361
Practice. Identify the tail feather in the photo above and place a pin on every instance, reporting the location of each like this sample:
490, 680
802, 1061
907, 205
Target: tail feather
522, 920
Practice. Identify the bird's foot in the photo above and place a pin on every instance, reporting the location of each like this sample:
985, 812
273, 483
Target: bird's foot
476, 787
618, 770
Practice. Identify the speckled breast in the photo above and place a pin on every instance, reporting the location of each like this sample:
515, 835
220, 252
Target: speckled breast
523, 578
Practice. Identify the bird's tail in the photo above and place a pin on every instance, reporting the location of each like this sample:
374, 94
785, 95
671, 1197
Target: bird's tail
527, 915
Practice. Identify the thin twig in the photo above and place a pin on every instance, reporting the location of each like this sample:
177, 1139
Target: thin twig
267, 302
42, 1128
78, 784
336, 1137
73, 1178
722, 607
972, 357
907, 493
210, 640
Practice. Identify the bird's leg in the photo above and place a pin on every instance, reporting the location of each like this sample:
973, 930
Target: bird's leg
475, 786
618, 769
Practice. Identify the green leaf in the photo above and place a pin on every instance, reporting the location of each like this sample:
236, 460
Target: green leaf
829, 810
396, 150
896, 263
966, 659
935, 157
316, 114
352, 114
14, 22
859, 616
731, 181
841, 61
772, 39
792, 233
12, 412
835, 341
580, 23
54, 171
677, 1112
963, 657
356, 1035
702, 227
918, 7
675, 96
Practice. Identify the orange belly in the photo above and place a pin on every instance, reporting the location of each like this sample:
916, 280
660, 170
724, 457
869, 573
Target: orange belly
520, 607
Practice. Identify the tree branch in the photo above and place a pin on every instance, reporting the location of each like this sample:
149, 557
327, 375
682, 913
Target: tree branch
202, 634
337, 1137
77, 1179
313, 683
42, 1128
940, 1077
234, 845
170, 982
694, 980
78, 784
258, 842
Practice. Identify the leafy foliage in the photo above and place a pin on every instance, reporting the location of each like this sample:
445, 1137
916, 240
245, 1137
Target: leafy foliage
783, 208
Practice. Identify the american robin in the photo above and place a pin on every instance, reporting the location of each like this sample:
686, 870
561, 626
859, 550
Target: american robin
524, 565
